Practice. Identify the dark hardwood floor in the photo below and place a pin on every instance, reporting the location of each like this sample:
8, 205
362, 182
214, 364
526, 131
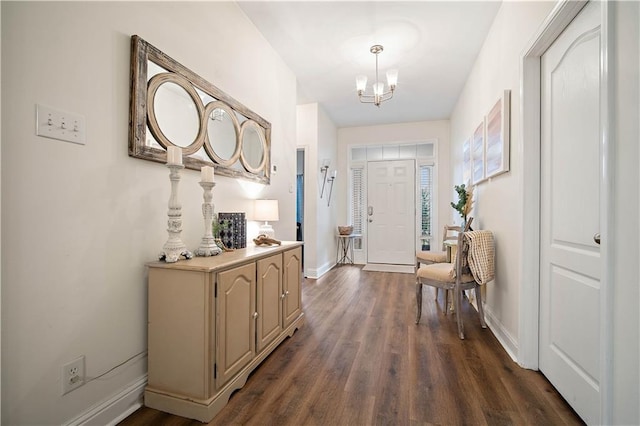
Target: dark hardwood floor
361, 360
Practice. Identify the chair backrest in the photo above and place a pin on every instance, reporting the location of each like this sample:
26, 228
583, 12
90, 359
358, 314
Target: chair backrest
451, 232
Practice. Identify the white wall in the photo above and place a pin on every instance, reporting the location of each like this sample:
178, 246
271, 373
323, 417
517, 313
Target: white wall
326, 211
421, 131
496, 205
317, 134
307, 138
79, 222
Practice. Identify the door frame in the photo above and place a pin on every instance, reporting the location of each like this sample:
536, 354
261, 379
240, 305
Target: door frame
530, 163
306, 208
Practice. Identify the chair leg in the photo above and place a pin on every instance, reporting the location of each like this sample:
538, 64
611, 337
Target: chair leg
458, 296
446, 300
480, 308
436, 292
418, 301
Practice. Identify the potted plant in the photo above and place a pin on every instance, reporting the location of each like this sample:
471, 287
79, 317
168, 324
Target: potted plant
465, 200
216, 228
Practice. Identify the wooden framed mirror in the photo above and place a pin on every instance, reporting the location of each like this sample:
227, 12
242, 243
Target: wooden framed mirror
170, 105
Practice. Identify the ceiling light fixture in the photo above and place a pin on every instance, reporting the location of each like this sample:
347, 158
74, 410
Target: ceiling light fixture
379, 95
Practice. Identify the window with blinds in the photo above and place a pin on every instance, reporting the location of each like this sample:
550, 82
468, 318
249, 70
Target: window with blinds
357, 205
426, 204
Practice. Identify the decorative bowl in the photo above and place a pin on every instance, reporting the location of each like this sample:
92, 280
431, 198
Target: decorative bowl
345, 230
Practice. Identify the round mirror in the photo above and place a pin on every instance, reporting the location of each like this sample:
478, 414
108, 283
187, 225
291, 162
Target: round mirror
222, 133
253, 150
174, 112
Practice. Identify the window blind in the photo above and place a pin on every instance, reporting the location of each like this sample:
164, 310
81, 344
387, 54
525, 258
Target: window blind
426, 197
357, 204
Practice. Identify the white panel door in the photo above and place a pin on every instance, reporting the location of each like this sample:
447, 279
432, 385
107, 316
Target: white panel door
570, 206
391, 212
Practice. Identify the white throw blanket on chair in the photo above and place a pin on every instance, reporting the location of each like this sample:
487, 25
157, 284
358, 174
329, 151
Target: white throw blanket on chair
481, 255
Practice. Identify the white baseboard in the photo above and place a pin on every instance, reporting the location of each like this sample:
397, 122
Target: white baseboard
115, 409
317, 273
507, 341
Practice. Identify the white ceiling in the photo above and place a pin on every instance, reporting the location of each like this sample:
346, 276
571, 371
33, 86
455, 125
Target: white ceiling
433, 44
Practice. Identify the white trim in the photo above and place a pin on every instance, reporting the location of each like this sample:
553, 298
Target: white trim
556, 22
508, 342
319, 272
306, 209
115, 409
607, 147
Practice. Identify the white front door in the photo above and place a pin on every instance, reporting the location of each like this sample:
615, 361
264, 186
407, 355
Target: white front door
570, 214
391, 212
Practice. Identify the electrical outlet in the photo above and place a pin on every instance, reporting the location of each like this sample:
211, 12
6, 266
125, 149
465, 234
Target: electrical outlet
72, 375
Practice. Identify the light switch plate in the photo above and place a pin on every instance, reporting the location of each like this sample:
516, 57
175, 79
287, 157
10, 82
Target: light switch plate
56, 124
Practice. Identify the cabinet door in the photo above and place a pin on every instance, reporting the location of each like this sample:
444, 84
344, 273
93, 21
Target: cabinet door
269, 307
292, 285
236, 303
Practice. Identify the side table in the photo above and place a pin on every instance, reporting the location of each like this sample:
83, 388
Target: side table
344, 250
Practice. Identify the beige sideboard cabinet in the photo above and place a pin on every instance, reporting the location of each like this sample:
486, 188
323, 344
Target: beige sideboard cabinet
212, 320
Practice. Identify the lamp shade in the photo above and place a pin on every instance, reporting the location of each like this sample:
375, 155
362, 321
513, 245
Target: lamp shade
392, 78
266, 210
378, 89
361, 83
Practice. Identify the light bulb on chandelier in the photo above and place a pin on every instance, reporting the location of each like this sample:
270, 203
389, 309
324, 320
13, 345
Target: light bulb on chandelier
379, 95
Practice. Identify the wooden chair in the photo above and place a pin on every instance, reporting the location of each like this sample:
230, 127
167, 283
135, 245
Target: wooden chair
456, 277
428, 257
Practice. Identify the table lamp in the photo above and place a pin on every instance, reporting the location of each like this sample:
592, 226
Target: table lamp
266, 210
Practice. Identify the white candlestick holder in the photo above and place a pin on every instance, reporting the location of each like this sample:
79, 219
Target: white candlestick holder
174, 247
208, 246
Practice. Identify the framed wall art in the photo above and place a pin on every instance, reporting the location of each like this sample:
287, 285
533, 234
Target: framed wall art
477, 154
497, 137
466, 161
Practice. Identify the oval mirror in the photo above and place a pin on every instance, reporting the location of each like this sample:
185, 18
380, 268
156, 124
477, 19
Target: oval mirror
253, 150
222, 133
174, 113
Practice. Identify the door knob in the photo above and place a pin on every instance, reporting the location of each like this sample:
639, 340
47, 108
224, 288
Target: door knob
596, 238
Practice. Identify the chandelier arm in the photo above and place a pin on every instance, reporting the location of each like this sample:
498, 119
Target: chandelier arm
386, 96
367, 99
